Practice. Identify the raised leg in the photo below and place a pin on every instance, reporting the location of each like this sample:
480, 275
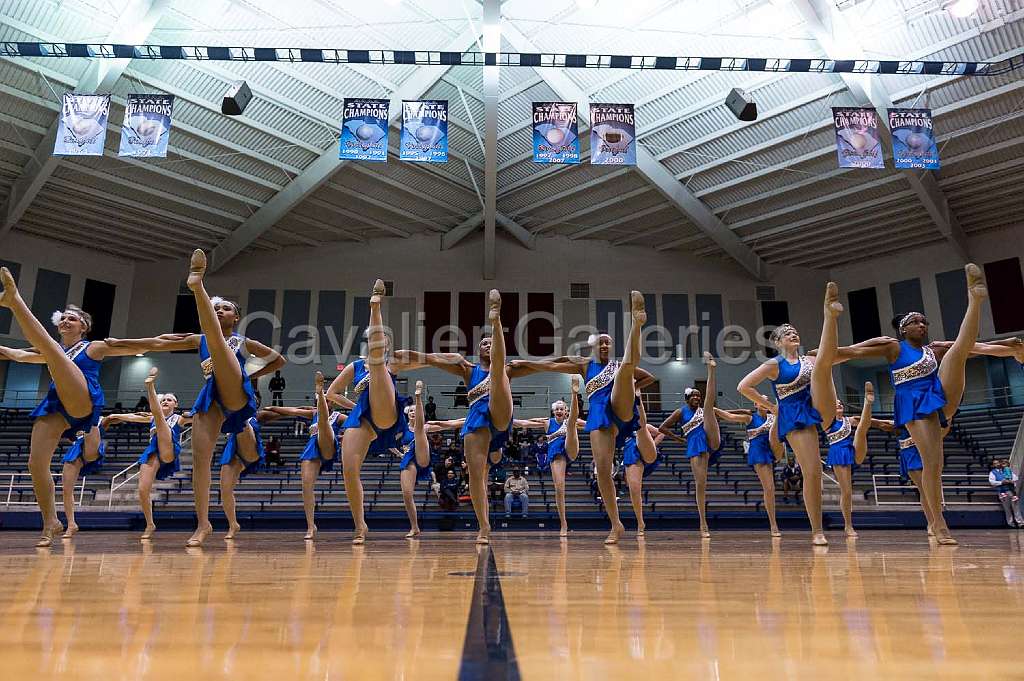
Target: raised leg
225, 365
501, 391
46, 432
572, 436
310, 471
408, 478
766, 474
927, 435
602, 443
68, 479
844, 475
67, 378
354, 444
147, 474
635, 479
805, 445
558, 479
229, 475
477, 445
419, 431
623, 389
326, 442
382, 390
699, 467
860, 436
952, 368
711, 430
205, 431
823, 388
164, 443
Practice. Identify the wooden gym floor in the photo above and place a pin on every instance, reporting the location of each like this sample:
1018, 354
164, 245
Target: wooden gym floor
740, 607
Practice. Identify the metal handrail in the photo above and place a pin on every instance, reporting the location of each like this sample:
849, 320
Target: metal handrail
186, 437
876, 476
10, 489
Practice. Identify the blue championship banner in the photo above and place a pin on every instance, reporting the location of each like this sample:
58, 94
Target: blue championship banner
364, 130
555, 133
913, 139
147, 125
424, 131
82, 128
857, 138
612, 135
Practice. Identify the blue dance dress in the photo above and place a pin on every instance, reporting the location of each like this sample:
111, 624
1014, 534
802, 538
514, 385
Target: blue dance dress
234, 421
51, 404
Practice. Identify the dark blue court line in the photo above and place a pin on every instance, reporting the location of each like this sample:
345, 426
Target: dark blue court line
488, 653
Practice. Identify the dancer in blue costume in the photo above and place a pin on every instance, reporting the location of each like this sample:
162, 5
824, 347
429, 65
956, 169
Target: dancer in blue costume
227, 398
74, 399
81, 459
847, 439
640, 458
415, 451
703, 438
764, 448
912, 467
323, 448
563, 444
806, 397
928, 380
611, 391
377, 422
490, 405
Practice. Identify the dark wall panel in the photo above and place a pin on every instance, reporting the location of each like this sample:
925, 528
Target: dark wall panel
98, 301
863, 315
360, 320
906, 296
260, 300
51, 294
773, 313
509, 318
710, 319
540, 332
330, 320
952, 287
1006, 294
437, 313
609, 320
472, 310
294, 313
675, 308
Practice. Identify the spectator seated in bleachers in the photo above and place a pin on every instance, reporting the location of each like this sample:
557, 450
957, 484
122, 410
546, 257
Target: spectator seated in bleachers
792, 479
273, 450
517, 488
1004, 481
448, 491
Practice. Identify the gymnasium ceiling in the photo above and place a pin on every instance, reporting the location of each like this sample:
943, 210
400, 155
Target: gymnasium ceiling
773, 184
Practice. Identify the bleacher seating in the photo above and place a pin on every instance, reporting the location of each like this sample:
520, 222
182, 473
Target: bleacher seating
978, 435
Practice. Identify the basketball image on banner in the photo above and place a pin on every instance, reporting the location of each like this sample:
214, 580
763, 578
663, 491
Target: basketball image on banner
424, 131
364, 130
913, 140
82, 128
612, 135
555, 133
857, 139
147, 125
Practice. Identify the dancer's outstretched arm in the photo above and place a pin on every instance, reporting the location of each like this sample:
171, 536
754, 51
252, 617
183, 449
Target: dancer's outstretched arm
299, 412
341, 401
22, 355
566, 364
450, 362
530, 424
1008, 347
741, 416
880, 347
438, 426
167, 342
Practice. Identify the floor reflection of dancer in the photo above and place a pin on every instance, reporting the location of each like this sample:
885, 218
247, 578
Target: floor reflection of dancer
563, 445
490, 406
322, 449
377, 421
806, 397
415, 463
763, 449
74, 399
928, 380
640, 458
613, 413
227, 399
699, 426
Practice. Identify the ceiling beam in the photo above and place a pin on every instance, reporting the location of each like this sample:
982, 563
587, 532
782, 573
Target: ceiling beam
653, 171
636, 215
840, 41
136, 22
456, 234
321, 170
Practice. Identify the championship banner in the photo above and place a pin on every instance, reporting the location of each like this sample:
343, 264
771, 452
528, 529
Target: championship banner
555, 133
857, 139
612, 135
913, 139
147, 125
424, 131
82, 128
364, 130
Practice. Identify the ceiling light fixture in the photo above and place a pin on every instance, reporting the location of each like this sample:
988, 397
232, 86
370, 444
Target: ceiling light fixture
586, 4
961, 9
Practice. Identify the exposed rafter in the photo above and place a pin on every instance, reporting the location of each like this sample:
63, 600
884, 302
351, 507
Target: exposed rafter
136, 22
